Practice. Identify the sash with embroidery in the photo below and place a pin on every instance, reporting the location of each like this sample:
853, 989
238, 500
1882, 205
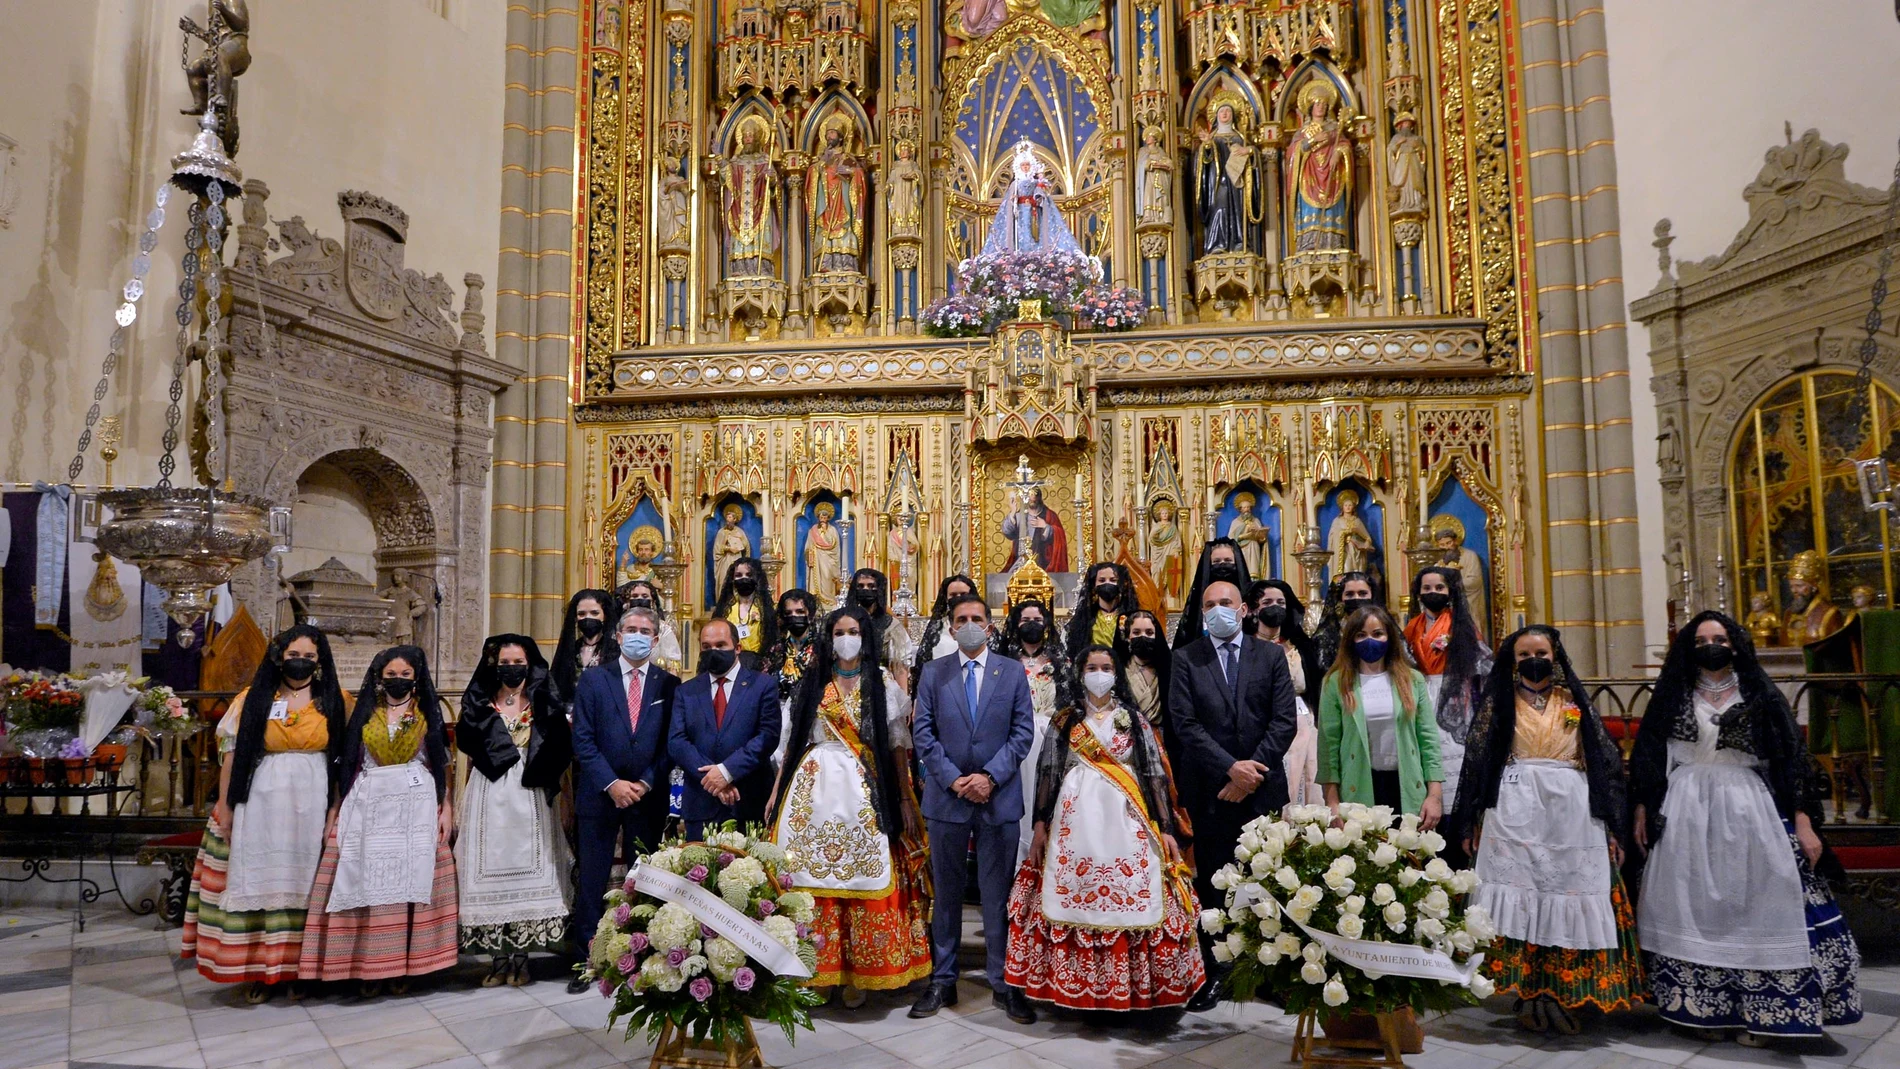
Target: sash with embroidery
1084, 744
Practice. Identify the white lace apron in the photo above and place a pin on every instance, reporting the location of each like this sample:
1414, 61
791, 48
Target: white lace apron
1545, 861
276, 834
1103, 868
386, 836
510, 856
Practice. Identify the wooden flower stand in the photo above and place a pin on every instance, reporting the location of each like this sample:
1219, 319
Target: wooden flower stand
1385, 1048
677, 1049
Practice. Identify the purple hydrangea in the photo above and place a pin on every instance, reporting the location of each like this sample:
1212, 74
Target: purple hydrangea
743, 979
697, 874
701, 988
638, 942
623, 915
627, 964
676, 956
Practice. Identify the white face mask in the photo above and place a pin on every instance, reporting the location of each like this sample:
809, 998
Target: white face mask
847, 647
1222, 622
1098, 682
972, 637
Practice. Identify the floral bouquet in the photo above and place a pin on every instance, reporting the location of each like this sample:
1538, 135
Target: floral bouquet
1308, 897
665, 961
159, 708
959, 316
1111, 308
42, 703
1056, 278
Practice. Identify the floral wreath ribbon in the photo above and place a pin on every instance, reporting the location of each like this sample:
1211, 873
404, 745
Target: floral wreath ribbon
1090, 749
1375, 959
713, 911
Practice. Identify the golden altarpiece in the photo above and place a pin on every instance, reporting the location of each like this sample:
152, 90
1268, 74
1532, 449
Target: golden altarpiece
1322, 203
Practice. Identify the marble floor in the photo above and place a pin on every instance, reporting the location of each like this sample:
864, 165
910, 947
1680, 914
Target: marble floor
117, 995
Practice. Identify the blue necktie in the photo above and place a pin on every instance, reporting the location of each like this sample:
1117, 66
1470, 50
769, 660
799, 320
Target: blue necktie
1228, 667
969, 689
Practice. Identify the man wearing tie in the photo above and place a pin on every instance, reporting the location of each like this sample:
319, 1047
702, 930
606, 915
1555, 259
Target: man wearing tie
1231, 702
725, 727
974, 722
620, 729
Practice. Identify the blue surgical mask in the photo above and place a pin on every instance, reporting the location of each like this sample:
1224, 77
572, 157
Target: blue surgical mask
1370, 650
1223, 622
636, 647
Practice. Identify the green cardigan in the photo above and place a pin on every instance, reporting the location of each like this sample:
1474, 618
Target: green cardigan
1345, 750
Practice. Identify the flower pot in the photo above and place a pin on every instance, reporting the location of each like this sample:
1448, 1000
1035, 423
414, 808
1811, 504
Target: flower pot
13, 770
76, 773
109, 756
1356, 1029
36, 770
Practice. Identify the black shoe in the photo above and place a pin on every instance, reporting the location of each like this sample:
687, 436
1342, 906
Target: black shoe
578, 985
1206, 998
934, 998
1013, 1002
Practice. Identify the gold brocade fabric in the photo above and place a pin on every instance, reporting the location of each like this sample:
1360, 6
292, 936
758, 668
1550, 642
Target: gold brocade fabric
1547, 734
831, 847
746, 617
392, 750
303, 730
1104, 632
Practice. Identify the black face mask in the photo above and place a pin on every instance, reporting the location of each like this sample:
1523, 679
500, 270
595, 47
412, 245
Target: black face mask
1109, 592
1435, 601
716, 662
745, 586
396, 688
1535, 669
865, 596
794, 624
591, 628
1224, 572
1146, 647
1270, 615
1031, 631
1348, 606
298, 669
639, 603
1714, 656
511, 675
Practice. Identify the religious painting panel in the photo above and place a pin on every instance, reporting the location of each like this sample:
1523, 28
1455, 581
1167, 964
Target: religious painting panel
1044, 516
1249, 516
826, 550
733, 529
1352, 527
1461, 532
639, 540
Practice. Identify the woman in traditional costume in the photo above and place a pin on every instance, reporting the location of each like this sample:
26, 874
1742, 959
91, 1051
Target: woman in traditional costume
1221, 562
1146, 662
1542, 811
383, 907
871, 591
1105, 600
1278, 617
1445, 645
641, 594
584, 641
245, 914
937, 641
1740, 932
1104, 804
510, 856
744, 602
1030, 637
789, 657
848, 820
1378, 743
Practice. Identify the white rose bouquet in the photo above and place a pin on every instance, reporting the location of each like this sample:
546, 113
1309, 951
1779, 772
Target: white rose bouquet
660, 964
1362, 880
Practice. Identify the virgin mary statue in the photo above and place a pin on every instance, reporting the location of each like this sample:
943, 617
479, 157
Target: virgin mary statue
1026, 219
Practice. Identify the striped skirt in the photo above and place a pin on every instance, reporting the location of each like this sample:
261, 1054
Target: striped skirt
380, 942
260, 945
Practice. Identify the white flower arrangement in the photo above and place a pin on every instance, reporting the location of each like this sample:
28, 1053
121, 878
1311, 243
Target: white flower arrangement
1354, 873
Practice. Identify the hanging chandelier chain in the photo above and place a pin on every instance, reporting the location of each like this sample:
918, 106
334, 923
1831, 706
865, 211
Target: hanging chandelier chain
185, 312
214, 357
126, 315
1869, 347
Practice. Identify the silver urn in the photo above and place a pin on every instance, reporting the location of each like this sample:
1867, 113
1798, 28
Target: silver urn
185, 541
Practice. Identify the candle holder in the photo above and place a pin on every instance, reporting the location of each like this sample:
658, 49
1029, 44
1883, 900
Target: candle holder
1313, 557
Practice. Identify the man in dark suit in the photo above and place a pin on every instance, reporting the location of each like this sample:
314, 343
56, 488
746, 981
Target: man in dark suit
725, 727
1231, 702
973, 726
620, 728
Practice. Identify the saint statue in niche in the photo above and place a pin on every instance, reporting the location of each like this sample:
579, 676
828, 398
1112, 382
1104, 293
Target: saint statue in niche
1448, 535
1048, 542
730, 544
1155, 171
748, 183
835, 190
1232, 203
1026, 218
1164, 553
1319, 173
1408, 187
1349, 541
643, 547
824, 564
1246, 529
906, 192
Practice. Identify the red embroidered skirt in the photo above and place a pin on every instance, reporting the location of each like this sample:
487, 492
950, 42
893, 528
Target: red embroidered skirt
1097, 969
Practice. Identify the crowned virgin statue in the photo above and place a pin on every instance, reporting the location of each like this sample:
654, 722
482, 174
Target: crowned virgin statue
1026, 219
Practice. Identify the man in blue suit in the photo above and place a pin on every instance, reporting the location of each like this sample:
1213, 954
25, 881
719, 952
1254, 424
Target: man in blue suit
974, 723
620, 728
725, 727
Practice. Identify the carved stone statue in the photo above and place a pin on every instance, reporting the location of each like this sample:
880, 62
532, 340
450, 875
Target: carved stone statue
749, 183
906, 193
824, 563
1246, 529
1154, 169
1349, 541
407, 607
674, 213
835, 190
730, 544
1448, 535
1319, 173
1164, 554
214, 73
1408, 189
1232, 200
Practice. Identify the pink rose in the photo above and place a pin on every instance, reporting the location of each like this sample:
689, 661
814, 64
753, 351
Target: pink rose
638, 942
623, 914
701, 988
743, 979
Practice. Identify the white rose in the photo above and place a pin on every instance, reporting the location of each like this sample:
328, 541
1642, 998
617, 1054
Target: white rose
1356, 904
1336, 883
1250, 842
1265, 908
1394, 915
1269, 927
1336, 838
1478, 922
1351, 926
1409, 822
1408, 877
1482, 986
1431, 928
1261, 864
1269, 953
1236, 944
1386, 854
1315, 836
1221, 953
1287, 878
1405, 840
1465, 881
1308, 897
1300, 914
1437, 871
1223, 879
1288, 943
1212, 921
1314, 952
1344, 865
1432, 841
1383, 894
1313, 973
1462, 942
1238, 913
1334, 994
1437, 903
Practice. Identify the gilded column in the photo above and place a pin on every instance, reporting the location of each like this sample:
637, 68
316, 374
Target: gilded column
533, 305
1582, 345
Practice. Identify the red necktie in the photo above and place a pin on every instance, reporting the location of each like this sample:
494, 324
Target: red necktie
719, 703
633, 703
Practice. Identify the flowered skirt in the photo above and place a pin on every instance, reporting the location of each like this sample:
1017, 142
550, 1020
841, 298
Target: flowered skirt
257, 945
1100, 969
877, 944
1771, 1002
1609, 979
380, 942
